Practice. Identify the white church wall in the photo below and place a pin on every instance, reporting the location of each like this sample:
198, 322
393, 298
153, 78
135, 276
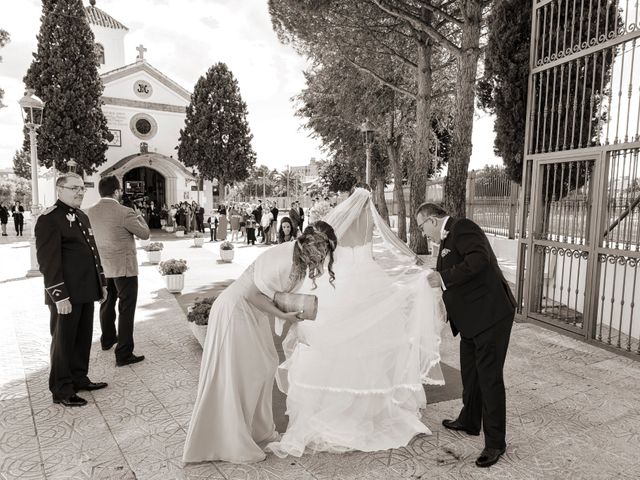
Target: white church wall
127, 87
164, 141
113, 42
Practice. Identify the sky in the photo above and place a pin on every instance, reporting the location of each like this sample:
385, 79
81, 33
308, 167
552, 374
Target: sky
183, 39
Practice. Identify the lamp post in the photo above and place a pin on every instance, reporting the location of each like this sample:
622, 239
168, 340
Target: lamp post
367, 140
73, 165
32, 109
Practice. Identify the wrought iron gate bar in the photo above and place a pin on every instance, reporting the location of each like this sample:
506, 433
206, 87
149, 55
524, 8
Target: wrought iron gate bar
579, 249
550, 157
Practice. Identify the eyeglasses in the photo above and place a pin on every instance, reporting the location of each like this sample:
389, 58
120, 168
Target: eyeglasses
425, 221
75, 189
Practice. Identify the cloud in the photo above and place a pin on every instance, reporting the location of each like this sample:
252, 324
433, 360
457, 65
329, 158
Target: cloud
184, 38
211, 22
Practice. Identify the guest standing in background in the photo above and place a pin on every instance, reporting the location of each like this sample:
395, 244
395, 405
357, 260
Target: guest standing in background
17, 212
4, 219
288, 231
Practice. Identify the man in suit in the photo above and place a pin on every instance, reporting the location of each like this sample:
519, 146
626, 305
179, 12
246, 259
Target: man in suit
73, 279
481, 307
301, 215
294, 215
114, 226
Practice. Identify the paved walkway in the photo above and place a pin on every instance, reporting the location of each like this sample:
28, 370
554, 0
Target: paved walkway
573, 409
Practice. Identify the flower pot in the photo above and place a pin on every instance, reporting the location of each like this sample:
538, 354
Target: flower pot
154, 256
199, 331
144, 243
226, 255
175, 283
168, 229
198, 242
179, 233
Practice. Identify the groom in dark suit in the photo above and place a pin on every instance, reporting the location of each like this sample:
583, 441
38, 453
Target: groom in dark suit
481, 307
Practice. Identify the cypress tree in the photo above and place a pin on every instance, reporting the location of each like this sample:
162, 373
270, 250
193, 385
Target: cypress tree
64, 74
216, 138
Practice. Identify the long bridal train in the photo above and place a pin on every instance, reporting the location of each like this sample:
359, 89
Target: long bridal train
354, 377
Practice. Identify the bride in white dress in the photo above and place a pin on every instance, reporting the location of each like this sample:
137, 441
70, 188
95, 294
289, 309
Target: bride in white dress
354, 377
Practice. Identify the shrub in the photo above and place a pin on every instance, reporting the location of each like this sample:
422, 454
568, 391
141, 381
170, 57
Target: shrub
173, 267
197, 235
199, 311
226, 245
154, 247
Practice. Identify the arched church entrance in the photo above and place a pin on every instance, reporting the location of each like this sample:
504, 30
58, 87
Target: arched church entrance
144, 184
145, 187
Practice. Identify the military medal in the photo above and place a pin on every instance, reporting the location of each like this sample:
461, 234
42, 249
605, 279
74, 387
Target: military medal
72, 218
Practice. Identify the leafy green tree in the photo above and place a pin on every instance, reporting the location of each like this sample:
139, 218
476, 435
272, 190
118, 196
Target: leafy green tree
22, 164
64, 74
4, 39
338, 176
503, 88
216, 138
16, 189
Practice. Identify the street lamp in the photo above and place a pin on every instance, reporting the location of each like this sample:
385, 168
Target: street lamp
73, 165
367, 139
32, 109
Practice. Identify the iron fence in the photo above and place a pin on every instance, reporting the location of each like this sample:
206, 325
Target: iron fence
492, 200
580, 247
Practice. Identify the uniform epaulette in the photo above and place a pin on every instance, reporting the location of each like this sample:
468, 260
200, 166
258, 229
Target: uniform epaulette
49, 210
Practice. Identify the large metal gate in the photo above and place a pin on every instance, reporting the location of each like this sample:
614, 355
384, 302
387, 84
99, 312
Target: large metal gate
579, 250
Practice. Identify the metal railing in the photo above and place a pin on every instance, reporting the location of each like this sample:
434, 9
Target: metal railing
579, 252
492, 200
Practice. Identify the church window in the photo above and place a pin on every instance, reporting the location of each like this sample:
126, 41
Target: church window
100, 53
143, 126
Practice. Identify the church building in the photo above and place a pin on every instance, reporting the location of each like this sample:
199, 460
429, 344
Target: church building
145, 111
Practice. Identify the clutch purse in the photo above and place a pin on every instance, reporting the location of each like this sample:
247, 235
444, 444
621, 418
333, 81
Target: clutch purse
297, 302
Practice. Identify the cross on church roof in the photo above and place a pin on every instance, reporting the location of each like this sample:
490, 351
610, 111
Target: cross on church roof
140, 48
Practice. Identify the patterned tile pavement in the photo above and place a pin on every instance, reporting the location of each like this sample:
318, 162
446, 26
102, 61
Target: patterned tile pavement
573, 409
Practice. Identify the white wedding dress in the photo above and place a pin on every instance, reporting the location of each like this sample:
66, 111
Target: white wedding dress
354, 377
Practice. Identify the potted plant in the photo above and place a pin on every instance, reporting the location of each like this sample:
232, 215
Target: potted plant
144, 243
169, 228
180, 231
164, 214
154, 252
198, 239
173, 272
198, 318
226, 251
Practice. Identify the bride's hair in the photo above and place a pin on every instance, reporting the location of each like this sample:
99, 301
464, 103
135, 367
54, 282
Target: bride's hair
310, 251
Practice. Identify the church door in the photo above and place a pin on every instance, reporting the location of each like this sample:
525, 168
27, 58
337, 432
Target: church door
145, 187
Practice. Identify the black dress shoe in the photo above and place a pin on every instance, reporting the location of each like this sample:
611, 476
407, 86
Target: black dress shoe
92, 386
130, 360
489, 456
72, 401
456, 425
108, 346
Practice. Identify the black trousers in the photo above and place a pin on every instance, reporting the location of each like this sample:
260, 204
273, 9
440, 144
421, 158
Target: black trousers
18, 223
251, 235
483, 395
124, 290
70, 348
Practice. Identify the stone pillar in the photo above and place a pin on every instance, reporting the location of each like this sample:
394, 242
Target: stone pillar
171, 190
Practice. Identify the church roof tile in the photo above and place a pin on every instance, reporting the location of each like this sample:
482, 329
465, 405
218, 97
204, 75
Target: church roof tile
102, 19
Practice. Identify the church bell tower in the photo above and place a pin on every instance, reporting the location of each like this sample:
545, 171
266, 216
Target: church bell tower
109, 34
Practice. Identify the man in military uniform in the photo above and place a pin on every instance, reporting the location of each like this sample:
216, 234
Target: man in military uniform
74, 280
